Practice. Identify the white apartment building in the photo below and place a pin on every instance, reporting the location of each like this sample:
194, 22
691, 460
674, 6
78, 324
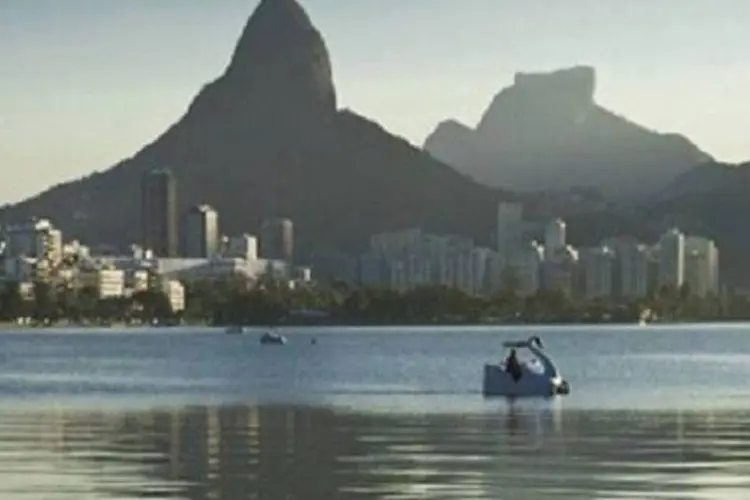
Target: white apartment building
407, 259
598, 267
398, 275
189, 270
510, 225
559, 270
439, 252
408, 272
555, 236
37, 239
497, 268
303, 274
201, 232
108, 283
701, 266
243, 246
634, 270
396, 244
137, 280
54, 245
464, 271
175, 293
526, 264
76, 249
481, 261
672, 259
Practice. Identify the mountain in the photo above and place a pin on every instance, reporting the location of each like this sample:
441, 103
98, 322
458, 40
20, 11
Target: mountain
267, 139
710, 200
705, 179
546, 133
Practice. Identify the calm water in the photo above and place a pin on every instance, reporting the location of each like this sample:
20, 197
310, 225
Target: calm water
367, 413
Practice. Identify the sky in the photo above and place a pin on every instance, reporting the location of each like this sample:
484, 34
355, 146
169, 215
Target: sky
87, 83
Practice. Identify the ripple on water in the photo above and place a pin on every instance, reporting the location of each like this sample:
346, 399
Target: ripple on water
306, 452
107, 417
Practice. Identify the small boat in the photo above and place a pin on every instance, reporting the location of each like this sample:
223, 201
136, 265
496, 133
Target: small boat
272, 338
538, 377
646, 317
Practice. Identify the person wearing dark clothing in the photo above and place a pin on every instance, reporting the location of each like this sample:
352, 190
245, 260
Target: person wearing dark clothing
512, 366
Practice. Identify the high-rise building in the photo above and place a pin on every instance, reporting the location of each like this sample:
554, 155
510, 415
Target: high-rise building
159, 213
54, 245
672, 259
526, 268
277, 240
509, 229
701, 266
37, 239
109, 283
201, 233
243, 247
500, 275
481, 259
398, 243
559, 273
598, 265
175, 293
555, 236
634, 270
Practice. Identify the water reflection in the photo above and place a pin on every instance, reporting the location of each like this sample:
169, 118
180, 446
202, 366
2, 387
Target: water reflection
237, 453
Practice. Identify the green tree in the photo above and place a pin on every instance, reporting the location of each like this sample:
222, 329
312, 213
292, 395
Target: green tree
153, 305
11, 302
45, 302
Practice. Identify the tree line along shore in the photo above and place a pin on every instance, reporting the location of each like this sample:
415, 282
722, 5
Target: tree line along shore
229, 302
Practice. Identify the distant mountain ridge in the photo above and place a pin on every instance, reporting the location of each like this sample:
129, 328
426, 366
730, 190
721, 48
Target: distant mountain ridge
546, 132
266, 139
708, 178
710, 200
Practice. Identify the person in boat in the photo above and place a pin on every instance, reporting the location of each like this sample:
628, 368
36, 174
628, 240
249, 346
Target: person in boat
512, 366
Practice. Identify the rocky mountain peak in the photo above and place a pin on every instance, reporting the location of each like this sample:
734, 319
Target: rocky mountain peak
265, 140
541, 99
577, 83
545, 132
281, 50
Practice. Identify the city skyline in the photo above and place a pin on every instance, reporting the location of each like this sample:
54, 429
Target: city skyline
620, 267
122, 92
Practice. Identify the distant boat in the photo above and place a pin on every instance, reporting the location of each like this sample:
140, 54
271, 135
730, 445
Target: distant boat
647, 316
272, 338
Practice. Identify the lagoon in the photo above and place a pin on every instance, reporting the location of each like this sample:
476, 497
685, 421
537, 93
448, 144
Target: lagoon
655, 412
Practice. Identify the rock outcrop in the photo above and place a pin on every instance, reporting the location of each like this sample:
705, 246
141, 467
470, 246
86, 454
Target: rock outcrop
546, 132
266, 139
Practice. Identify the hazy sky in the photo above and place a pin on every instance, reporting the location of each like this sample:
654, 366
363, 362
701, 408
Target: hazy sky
85, 83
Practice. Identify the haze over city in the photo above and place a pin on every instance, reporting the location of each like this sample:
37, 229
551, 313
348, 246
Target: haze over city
87, 83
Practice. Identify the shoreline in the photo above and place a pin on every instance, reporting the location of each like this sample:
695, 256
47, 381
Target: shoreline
10, 327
